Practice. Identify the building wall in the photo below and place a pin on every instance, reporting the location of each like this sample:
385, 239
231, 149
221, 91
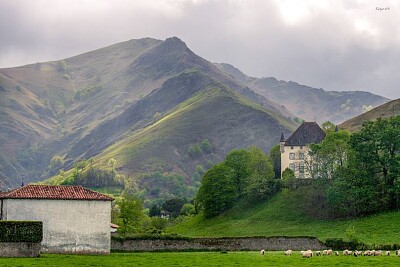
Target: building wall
286, 161
69, 226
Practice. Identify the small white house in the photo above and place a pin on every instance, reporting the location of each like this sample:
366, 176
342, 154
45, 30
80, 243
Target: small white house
75, 219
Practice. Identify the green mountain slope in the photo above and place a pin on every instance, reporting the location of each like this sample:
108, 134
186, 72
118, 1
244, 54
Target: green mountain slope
386, 110
56, 108
282, 216
306, 102
204, 110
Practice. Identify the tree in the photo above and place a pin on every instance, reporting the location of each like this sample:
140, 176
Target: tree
173, 206
275, 155
155, 211
261, 180
130, 215
217, 191
328, 127
353, 191
288, 178
238, 161
326, 157
377, 146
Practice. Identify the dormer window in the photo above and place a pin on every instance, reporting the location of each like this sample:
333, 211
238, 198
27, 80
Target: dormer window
291, 156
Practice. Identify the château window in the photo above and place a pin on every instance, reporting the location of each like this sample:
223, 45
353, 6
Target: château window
301, 167
291, 155
292, 166
301, 155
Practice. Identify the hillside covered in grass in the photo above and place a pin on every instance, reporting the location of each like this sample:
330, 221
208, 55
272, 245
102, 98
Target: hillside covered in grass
386, 110
283, 215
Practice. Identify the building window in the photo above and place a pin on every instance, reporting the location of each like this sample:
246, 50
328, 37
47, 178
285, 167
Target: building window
301, 167
291, 147
301, 147
292, 167
291, 156
301, 156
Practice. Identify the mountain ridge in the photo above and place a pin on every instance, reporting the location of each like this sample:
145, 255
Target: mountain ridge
308, 103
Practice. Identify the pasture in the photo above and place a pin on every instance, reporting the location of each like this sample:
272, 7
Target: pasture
243, 258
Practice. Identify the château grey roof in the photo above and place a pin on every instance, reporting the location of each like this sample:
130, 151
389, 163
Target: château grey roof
65, 192
307, 133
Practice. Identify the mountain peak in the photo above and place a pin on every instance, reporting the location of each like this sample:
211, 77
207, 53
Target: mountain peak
174, 43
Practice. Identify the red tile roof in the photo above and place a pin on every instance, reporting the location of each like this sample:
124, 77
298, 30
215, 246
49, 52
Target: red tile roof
54, 192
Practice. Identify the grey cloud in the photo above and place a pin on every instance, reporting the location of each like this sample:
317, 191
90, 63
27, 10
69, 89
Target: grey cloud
323, 50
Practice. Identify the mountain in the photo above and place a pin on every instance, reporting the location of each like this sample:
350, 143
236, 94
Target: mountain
306, 102
144, 102
386, 110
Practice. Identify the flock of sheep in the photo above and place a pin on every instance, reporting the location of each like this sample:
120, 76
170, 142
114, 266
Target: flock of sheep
327, 252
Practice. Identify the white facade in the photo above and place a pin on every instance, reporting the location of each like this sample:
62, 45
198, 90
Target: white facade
294, 158
69, 226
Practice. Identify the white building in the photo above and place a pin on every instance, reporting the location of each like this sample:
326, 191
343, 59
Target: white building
75, 219
294, 150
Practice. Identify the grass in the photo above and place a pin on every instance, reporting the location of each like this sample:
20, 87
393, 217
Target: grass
248, 258
280, 217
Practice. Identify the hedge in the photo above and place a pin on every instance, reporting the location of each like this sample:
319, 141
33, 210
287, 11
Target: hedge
339, 243
21, 231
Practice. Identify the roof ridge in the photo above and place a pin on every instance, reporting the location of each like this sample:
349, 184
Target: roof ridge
72, 192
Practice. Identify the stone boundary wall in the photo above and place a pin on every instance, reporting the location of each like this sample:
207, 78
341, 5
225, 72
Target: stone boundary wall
19, 249
223, 244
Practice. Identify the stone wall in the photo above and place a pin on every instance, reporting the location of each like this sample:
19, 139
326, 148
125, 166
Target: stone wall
224, 244
19, 249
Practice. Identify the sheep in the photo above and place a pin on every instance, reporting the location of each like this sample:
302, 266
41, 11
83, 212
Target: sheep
318, 253
262, 252
307, 254
337, 253
367, 253
355, 253
397, 252
345, 252
359, 253
288, 252
325, 252
387, 253
329, 252
378, 253
349, 252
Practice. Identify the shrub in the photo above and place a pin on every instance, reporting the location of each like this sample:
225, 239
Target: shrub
21, 231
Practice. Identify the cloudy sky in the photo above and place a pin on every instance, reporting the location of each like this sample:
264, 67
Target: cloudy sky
329, 44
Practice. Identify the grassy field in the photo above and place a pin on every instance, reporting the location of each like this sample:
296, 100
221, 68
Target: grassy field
280, 216
199, 259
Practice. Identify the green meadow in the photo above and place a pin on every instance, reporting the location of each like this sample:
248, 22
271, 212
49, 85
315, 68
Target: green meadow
284, 216
248, 258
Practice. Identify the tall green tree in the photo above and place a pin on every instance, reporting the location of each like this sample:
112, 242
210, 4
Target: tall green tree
130, 215
275, 155
238, 161
261, 180
330, 154
377, 145
217, 192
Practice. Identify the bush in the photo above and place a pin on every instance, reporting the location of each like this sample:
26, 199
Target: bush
21, 231
338, 243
